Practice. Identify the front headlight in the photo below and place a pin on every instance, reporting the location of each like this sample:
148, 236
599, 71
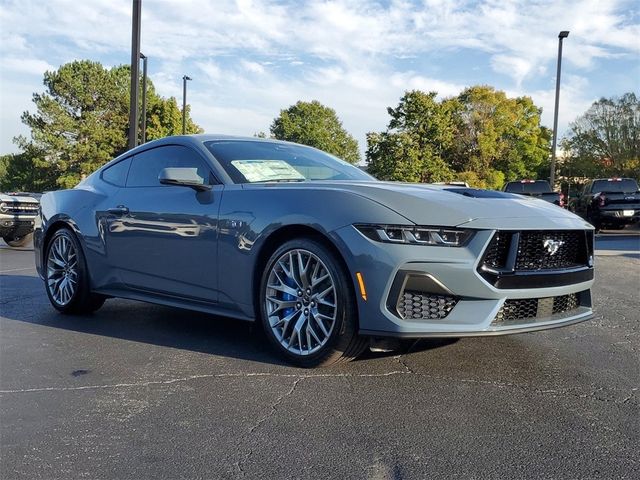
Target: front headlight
3, 207
418, 235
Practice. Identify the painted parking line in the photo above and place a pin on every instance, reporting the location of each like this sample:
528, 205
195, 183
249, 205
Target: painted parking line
17, 269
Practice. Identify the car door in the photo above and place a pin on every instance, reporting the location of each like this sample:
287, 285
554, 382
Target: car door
163, 238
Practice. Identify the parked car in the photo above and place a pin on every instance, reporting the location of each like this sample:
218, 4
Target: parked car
17, 214
324, 256
538, 189
609, 202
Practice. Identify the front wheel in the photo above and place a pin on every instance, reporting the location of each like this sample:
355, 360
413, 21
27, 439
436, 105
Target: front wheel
67, 277
307, 305
18, 242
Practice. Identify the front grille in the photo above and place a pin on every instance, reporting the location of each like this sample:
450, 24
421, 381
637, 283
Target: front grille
530, 309
536, 250
498, 250
21, 209
539, 251
413, 305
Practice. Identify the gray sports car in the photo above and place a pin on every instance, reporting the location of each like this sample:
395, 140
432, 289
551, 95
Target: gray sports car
319, 252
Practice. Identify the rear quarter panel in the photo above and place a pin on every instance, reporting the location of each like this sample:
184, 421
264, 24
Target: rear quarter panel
76, 208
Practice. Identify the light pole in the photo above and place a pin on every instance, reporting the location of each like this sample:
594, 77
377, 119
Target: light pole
135, 73
143, 127
552, 177
184, 103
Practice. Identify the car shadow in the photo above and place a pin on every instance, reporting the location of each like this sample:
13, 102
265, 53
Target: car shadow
23, 299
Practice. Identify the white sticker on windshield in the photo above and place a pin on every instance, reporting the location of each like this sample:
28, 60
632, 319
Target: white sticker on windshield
266, 170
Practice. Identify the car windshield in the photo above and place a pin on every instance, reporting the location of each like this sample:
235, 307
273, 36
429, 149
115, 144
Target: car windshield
539, 186
625, 185
247, 161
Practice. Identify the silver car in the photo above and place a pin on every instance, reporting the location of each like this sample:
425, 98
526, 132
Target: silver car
321, 254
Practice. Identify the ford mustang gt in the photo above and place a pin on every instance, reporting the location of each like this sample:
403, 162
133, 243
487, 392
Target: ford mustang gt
321, 254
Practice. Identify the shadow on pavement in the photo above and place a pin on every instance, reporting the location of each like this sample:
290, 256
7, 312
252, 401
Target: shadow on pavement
157, 325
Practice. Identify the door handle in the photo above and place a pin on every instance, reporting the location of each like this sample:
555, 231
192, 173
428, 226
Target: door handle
119, 210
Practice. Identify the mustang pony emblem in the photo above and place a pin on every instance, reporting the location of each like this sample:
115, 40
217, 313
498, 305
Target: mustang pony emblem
552, 246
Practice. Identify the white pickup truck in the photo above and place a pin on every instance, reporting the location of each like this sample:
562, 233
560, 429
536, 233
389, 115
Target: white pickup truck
17, 216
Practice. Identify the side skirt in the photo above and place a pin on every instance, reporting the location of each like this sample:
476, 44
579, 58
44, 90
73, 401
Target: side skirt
177, 302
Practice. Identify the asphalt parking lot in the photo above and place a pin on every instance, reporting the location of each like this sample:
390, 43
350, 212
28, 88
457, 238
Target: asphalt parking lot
141, 391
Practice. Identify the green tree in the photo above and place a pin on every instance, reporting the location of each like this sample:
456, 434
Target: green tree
605, 140
418, 136
495, 133
27, 171
81, 120
316, 125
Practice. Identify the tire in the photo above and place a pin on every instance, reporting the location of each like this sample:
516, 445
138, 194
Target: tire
67, 277
310, 318
18, 242
596, 223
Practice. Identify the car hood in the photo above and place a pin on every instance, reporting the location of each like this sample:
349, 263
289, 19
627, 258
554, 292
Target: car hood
458, 206
17, 198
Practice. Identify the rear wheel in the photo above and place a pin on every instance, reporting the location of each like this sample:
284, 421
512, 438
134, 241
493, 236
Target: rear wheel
307, 305
17, 242
66, 276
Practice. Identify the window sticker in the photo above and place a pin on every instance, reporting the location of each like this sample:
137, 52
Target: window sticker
266, 170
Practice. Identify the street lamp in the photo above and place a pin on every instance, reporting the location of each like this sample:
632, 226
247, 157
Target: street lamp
135, 73
552, 176
143, 127
184, 103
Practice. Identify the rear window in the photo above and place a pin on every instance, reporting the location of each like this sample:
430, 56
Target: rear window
539, 186
117, 174
624, 185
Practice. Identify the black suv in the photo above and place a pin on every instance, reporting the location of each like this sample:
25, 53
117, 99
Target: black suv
609, 202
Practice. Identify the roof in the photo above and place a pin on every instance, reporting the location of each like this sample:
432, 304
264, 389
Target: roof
206, 137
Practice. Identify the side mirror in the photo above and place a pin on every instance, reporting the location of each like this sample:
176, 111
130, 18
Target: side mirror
183, 177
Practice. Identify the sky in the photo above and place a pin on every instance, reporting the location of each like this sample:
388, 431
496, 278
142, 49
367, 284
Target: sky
251, 59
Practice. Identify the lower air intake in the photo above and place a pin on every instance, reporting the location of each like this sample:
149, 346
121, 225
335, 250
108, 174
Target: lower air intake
530, 309
413, 305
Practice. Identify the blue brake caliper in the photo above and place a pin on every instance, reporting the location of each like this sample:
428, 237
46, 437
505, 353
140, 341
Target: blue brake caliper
288, 297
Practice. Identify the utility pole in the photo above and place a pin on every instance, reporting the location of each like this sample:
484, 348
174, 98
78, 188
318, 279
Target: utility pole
135, 73
184, 103
552, 177
143, 127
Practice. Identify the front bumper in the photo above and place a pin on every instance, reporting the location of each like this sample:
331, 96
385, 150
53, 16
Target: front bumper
620, 216
12, 226
478, 303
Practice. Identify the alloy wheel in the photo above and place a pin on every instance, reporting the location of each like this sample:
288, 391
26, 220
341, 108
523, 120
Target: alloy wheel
301, 302
62, 270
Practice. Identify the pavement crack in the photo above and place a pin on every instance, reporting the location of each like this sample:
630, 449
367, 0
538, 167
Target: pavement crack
279, 400
407, 370
198, 377
273, 409
405, 365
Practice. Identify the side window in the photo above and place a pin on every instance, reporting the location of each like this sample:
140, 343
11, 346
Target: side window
146, 166
117, 174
